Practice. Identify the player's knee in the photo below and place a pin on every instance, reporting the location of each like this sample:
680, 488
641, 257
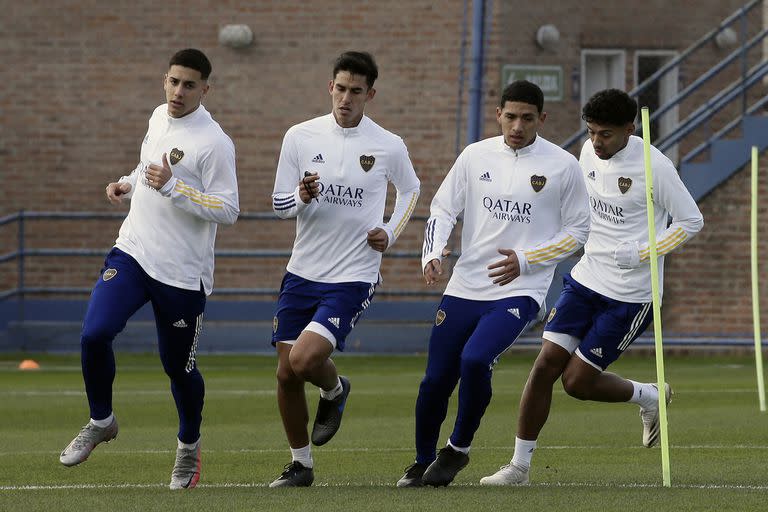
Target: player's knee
575, 387
544, 373
286, 378
436, 383
303, 364
475, 366
178, 370
95, 335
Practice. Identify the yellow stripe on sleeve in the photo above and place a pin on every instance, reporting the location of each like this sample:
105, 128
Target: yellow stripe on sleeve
197, 197
408, 212
551, 251
675, 239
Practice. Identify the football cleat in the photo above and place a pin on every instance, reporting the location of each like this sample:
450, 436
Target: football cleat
445, 468
328, 416
508, 474
650, 419
295, 474
412, 476
83, 444
186, 469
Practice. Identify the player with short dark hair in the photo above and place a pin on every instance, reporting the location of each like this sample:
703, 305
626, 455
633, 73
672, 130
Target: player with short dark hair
183, 187
525, 209
332, 177
606, 300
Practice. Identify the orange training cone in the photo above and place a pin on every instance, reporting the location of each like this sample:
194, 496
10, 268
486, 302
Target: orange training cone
29, 364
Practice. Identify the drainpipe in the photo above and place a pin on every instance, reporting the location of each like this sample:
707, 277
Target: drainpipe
475, 113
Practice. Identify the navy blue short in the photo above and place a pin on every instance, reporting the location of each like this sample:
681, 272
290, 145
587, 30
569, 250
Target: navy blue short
598, 328
329, 309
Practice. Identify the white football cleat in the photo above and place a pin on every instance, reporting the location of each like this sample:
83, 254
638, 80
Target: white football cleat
83, 444
507, 475
650, 419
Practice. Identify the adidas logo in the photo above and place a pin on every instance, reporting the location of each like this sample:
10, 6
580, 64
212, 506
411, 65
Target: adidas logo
515, 312
597, 351
334, 321
486, 176
318, 159
180, 323
591, 175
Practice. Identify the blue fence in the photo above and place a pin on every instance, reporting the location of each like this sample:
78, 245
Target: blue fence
30, 323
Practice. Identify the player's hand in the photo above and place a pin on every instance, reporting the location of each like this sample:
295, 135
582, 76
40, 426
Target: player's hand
378, 239
309, 188
434, 269
116, 192
627, 255
158, 175
506, 270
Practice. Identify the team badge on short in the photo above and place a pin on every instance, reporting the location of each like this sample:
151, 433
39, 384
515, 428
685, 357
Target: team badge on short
274, 324
551, 315
176, 156
538, 182
624, 184
366, 162
439, 317
109, 274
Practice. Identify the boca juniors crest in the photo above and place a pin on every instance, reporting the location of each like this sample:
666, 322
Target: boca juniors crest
366, 162
176, 156
538, 182
624, 184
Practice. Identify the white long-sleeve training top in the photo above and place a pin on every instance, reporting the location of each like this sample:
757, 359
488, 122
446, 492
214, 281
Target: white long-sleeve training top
355, 166
171, 232
532, 200
616, 190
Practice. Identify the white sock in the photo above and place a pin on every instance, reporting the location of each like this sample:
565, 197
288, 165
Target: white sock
523, 452
463, 450
105, 422
303, 455
330, 395
644, 395
188, 446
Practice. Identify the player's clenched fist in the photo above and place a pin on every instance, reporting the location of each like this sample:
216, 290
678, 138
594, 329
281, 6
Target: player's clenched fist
117, 191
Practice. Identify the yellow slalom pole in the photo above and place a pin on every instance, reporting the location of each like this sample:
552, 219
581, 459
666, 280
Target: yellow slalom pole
755, 288
660, 380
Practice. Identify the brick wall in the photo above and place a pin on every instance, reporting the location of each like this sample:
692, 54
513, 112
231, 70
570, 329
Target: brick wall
80, 80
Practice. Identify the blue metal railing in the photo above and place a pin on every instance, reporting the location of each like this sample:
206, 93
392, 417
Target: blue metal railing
712, 106
740, 53
725, 130
22, 253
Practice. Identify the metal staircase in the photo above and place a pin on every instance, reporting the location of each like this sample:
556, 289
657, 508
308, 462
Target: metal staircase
726, 157
718, 133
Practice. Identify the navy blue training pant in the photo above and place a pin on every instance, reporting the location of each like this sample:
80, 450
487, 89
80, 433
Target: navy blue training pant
123, 287
466, 340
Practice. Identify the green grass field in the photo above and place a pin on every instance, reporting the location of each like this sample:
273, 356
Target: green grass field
590, 455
